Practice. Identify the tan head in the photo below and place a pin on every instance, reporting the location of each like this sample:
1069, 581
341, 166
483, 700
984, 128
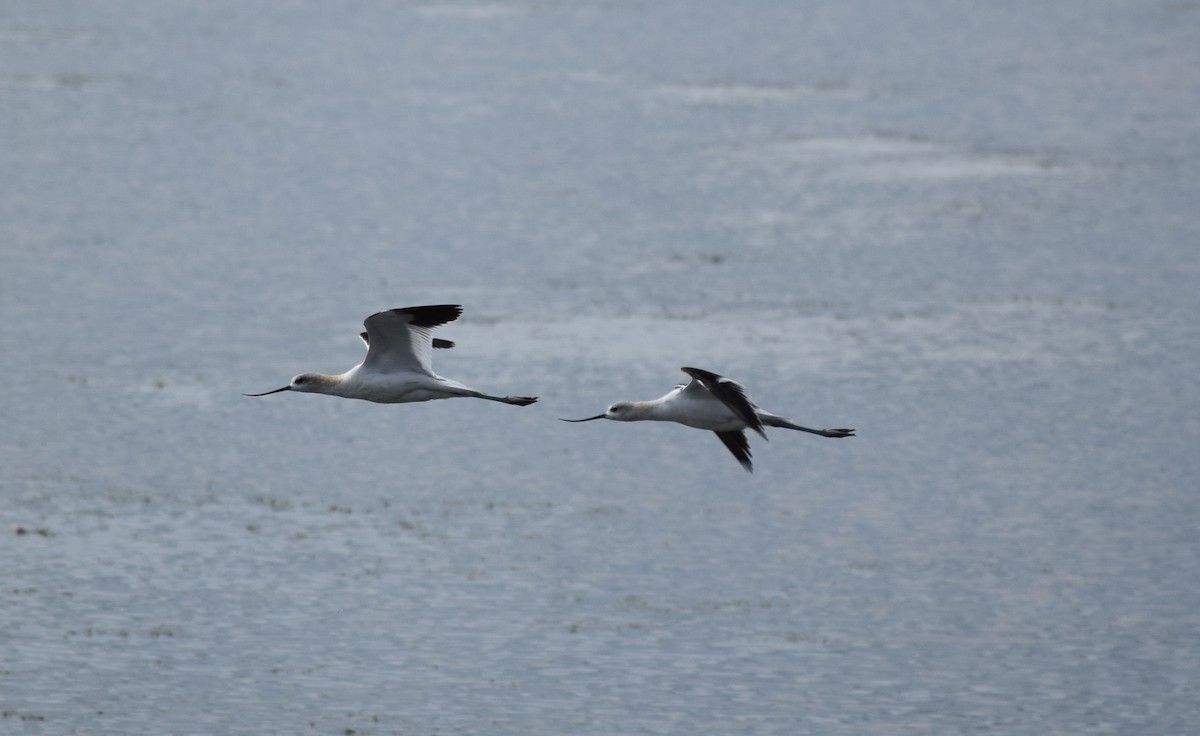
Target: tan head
620, 411
308, 383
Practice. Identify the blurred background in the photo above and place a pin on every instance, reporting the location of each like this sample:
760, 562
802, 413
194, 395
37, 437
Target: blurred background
969, 231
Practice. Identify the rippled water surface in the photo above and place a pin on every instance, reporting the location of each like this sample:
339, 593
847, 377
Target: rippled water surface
970, 232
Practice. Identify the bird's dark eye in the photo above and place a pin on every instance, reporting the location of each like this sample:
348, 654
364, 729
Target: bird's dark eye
614, 409
299, 381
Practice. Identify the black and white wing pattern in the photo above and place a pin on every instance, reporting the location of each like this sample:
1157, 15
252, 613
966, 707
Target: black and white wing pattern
400, 340
732, 394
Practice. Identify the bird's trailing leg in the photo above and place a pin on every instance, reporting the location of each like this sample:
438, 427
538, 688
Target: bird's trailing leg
515, 400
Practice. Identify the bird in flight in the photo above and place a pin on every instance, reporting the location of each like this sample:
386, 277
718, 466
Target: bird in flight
710, 402
397, 369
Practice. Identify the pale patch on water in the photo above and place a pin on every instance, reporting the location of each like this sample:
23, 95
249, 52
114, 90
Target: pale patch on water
48, 82
1019, 330
45, 36
883, 158
742, 93
1015, 330
474, 10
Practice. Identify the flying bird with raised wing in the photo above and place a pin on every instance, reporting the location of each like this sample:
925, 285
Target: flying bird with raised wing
398, 367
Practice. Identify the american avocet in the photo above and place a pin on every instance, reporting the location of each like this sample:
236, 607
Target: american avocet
397, 367
711, 402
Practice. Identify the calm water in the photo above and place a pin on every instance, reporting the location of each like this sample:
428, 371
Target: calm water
970, 232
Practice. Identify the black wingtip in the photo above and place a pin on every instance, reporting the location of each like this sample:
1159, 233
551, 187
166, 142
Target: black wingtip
431, 315
737, 444
700, 374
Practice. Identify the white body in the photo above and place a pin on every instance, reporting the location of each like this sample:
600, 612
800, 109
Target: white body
395, 387
692, 405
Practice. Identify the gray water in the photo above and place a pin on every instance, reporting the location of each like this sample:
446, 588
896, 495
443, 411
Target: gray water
968, 230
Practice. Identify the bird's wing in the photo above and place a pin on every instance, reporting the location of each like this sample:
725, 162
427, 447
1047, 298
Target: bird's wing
739, 446
399, 339
731, 393
437, 341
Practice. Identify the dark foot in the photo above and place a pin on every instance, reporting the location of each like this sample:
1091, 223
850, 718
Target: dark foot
838, 433
520, 400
